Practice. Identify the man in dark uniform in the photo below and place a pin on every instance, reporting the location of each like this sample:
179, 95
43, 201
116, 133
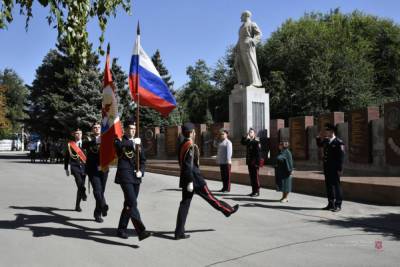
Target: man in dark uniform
333, 157
75, 157
97, 177
253, 157
191, 181
129, 178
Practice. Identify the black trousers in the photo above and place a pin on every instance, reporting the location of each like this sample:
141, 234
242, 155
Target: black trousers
184, 206
130, 210
255, 182
81, 189
98, 181
333, 188
225, 176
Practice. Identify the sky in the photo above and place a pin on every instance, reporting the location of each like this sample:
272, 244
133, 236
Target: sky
183, 30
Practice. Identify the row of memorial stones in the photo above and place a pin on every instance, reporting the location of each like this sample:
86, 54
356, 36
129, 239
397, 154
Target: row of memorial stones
369, 139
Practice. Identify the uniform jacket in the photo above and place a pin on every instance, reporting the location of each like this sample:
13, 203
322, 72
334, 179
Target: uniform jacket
126, 168
92, 149
333, 153
253, 151
71, 158
189, 162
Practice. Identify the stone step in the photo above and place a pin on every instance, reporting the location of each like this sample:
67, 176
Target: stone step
374, 190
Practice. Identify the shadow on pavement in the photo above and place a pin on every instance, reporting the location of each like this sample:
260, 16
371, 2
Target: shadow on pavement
386, 224
170, 234
73, 230
257, 205
252, 199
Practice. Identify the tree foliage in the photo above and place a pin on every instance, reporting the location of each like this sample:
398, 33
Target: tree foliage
70, 18
4, 122
15, 94
195, 96
57, 103
330, 62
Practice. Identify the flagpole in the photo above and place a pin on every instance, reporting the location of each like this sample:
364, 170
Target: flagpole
137, 97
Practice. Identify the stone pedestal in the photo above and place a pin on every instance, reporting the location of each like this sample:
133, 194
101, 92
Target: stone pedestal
248, 107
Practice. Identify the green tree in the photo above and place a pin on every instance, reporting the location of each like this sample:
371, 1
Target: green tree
4, 122
70, 18
224, 79
57, 103
158, 63
16, 95
196, 93
330, 62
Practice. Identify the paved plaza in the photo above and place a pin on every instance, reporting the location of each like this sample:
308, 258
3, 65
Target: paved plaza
38, 226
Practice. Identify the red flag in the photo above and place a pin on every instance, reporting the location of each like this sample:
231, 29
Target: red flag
110, 125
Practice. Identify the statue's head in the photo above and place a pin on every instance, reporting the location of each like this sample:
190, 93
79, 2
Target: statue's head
245, 15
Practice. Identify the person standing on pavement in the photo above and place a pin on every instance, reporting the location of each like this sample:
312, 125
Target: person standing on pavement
224, 159
283, 170
333, 156
97, 177
253, 158
191, 181
76, 159
129, 178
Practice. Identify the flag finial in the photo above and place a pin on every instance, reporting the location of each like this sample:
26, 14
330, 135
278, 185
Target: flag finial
138, 28
108, 48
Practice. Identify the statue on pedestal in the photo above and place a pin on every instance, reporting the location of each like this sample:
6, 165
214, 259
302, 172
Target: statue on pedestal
245, 52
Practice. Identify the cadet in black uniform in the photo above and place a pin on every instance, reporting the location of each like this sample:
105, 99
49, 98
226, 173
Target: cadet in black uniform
191, 181
75, 157
253, 157
97, 177
333, 165
129, 179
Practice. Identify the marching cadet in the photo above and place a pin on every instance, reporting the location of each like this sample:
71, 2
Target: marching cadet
97, 177
253, 158
333, 157
191, 181
75, 157
129, 178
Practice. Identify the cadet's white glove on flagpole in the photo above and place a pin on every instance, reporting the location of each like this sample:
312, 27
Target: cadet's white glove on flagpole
137, 141
189, 187
139, 174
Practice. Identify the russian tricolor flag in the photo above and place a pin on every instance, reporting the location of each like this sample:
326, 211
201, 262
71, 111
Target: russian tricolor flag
150, 87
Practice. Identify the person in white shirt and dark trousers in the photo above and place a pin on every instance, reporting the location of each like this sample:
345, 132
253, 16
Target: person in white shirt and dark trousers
224, 159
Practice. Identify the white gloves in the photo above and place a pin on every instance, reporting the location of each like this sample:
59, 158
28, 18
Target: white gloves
139, 173
137, 141
67, 172
189, 187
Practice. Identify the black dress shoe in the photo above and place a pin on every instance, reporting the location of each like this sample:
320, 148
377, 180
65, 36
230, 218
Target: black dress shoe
78, 209
122, 234
235, 208
98, 219
104, 211
145, 234
329, 207
183, 236
84, 197
336, 209
255, 194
